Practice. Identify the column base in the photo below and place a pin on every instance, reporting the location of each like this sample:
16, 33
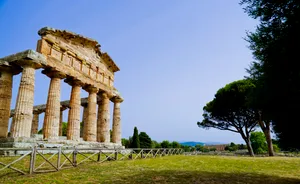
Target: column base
37, 140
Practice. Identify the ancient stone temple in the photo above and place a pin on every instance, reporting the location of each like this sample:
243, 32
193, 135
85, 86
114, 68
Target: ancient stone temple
79, 62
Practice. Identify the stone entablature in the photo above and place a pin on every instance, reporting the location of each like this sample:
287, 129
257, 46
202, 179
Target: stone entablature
65, 49
76, 60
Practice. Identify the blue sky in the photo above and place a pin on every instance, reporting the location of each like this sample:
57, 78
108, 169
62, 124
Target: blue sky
173, 55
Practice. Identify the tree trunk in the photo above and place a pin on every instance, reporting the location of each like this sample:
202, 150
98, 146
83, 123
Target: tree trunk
248, 143
267, 131
249, 147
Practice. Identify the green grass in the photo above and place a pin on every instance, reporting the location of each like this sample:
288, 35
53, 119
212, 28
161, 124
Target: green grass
175, 169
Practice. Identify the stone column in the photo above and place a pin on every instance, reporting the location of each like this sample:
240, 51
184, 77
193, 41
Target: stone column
84, 119
116, 128
6, 78
52, 113
35, 123
22, 120
90, 125
61, 114
73, 130
103, 119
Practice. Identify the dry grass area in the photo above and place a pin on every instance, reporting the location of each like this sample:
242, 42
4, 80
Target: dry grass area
175, 169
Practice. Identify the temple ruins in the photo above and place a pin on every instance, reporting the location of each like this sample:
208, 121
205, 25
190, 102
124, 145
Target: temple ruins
79, 62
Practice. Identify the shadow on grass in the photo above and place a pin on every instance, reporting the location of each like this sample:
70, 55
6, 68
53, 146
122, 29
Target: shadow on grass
148, 176
173, 176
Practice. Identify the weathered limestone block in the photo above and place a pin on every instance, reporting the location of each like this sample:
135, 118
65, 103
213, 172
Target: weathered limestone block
73, 129
35, 124
103, 119
90, 125
22, 120
52, 113
27, 57
116, 130
6, 78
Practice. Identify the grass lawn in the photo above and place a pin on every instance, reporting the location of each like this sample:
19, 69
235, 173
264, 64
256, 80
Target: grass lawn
175, 169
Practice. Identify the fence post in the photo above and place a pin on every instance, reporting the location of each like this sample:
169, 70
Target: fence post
58, 158
99, 156
74, 157
32, 160
116, 155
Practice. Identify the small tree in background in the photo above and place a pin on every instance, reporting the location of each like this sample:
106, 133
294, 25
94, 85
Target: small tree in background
201, 148
232, 147
258, 142
186, 148
125, 142
175, 144
242, 146
135, 139
165, 144
64, 128
145, 140
212, 149
155, 144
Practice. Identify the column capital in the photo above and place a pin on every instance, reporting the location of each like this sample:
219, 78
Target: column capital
73, 82
91, 89
15, 70
84, 104
54, 74
62, 108
103, 95
38, 111
117, 99
28, 63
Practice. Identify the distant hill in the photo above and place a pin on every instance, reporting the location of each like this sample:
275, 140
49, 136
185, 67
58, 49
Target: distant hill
214, 143
192, 143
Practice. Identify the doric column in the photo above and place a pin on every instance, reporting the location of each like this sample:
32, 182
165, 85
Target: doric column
35, 123
73, 130
90, 125
103, 119
52, 113
22, 120
84, 119
116, 127
61, 114
6, 78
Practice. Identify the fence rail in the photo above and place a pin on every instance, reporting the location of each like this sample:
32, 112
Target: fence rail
41, 160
